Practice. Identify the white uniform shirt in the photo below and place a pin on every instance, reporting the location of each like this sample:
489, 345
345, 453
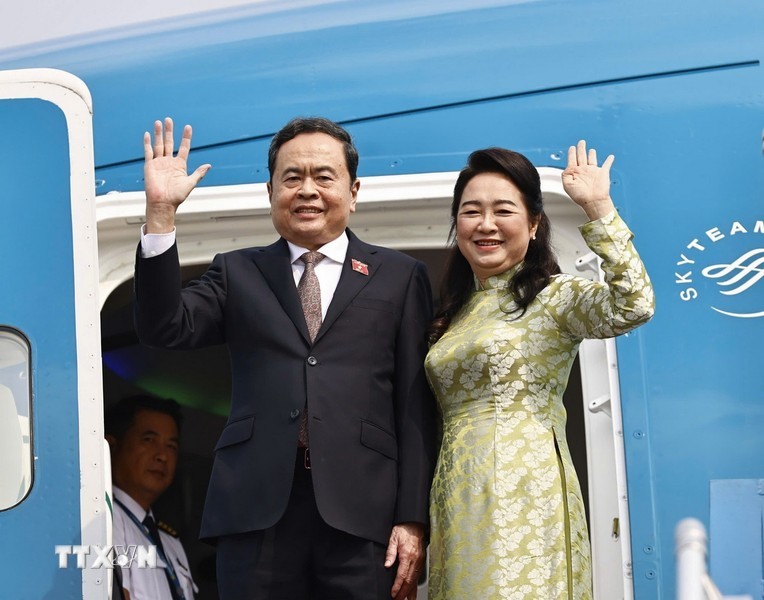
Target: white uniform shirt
148, 583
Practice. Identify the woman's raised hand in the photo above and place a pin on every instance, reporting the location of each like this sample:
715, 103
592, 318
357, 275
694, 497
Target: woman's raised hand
587, 184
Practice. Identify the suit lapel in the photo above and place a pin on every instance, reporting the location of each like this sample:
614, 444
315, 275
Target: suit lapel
273, 262
275, 265
351, 281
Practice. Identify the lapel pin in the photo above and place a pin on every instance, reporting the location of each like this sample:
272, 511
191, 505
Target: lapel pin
359, 267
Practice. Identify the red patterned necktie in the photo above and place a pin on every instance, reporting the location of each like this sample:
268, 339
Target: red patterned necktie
310, 297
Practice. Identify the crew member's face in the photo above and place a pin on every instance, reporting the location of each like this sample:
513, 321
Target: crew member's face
493, 226
310, 190
144, 459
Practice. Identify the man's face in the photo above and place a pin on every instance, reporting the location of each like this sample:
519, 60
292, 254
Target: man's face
144, 459
310, 191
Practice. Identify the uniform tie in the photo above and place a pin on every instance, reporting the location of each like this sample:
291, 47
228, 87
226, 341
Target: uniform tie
172, 580
309, 291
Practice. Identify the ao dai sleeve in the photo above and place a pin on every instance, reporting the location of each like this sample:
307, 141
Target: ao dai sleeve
588, 309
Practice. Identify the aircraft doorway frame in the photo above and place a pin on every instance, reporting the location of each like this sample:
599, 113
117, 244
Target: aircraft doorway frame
411, 213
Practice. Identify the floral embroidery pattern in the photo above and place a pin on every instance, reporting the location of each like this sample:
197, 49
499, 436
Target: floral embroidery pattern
506, 511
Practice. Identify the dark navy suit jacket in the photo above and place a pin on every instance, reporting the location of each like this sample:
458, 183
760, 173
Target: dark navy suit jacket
371, 413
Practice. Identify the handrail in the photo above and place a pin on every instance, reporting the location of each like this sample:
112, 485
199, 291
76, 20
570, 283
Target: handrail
692, 579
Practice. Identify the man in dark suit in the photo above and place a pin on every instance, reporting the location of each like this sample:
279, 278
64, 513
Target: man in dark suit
321, 477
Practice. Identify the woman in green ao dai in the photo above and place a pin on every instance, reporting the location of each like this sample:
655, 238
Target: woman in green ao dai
506, 511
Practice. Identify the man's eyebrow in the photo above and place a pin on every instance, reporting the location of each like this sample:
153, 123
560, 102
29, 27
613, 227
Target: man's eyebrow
154, 432
295, 169
329, 168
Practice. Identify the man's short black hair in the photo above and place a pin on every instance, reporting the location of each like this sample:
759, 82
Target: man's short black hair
301, 125
121, 415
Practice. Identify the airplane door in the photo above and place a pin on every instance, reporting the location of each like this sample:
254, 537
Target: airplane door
52, 483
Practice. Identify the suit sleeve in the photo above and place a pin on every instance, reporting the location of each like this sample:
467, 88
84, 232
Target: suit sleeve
168, 316
414, 403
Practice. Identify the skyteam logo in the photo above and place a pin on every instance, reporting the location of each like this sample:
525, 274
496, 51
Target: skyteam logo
724, 267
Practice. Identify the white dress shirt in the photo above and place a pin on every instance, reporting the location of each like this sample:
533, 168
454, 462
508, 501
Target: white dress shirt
148, 583
328, 270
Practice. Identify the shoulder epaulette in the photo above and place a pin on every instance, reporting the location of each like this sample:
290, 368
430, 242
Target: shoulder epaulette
167, 529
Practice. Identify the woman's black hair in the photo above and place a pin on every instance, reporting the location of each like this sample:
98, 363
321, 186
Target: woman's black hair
539, 263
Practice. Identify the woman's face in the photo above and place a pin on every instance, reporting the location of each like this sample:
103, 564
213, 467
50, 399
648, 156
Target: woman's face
493, 226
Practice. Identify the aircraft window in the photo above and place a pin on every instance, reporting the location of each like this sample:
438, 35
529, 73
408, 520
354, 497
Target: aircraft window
15, 435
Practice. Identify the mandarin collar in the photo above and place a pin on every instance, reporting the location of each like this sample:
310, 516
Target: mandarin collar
496, 281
